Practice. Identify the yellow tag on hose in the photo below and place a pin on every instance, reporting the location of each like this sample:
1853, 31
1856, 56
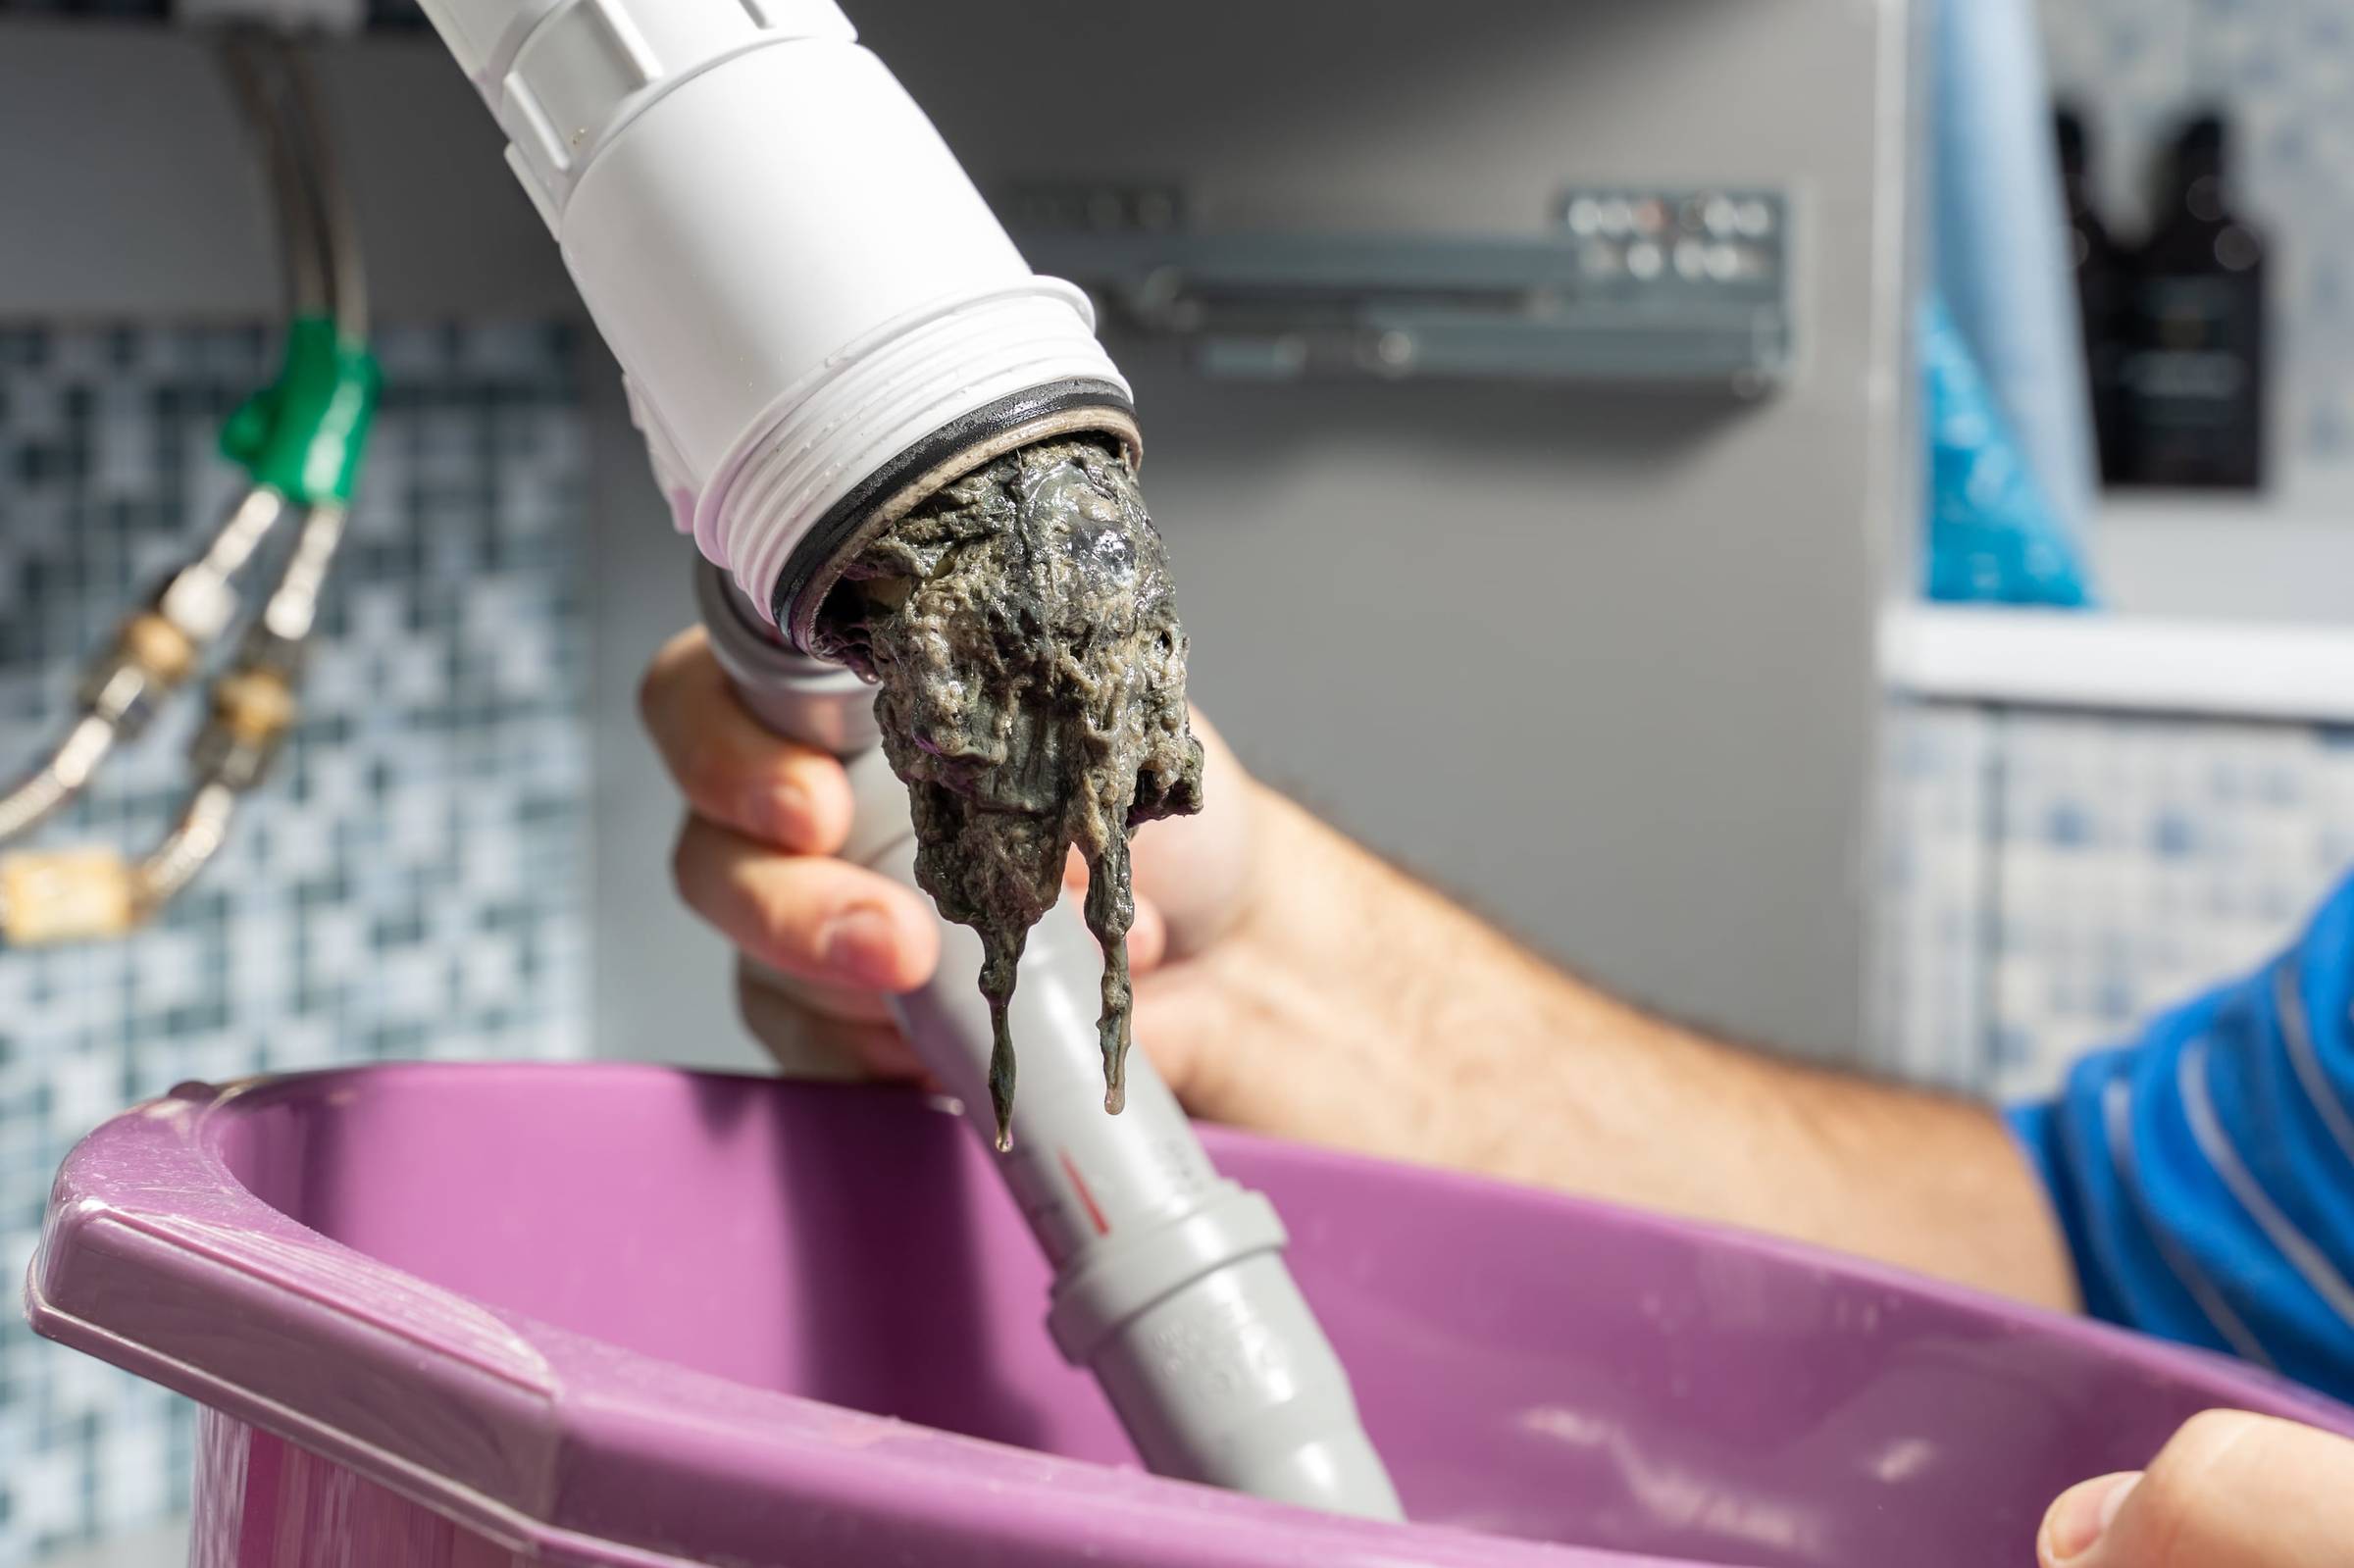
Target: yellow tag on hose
66, 895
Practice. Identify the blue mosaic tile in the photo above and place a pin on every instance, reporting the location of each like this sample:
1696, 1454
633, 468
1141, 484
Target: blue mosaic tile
410, 883
2065, 875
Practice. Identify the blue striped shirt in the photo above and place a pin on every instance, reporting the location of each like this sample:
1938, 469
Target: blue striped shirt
2204, 1174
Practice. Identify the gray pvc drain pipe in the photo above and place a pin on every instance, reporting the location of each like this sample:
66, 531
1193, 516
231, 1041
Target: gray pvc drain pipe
1169, 1279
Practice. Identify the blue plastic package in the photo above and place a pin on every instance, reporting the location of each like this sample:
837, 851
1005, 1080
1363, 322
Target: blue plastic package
1993, 535
2011, 474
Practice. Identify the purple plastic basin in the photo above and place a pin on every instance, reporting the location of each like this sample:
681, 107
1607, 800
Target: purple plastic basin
623, 1315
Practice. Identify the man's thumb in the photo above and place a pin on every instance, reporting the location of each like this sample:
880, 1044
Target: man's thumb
2229, 1491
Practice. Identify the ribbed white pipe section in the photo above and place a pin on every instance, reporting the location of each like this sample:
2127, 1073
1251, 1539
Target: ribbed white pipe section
796, 276
883, 397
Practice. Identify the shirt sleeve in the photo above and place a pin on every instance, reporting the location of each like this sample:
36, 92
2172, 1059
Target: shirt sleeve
2204, 1173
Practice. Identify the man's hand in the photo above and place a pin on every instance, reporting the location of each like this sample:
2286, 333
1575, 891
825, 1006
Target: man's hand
765, 817
1289, 982
2231, 1491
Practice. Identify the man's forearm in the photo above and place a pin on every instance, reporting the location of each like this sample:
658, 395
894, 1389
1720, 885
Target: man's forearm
1452, 1045
1651, 1114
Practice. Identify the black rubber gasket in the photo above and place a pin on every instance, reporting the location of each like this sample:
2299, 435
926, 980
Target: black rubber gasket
831, 532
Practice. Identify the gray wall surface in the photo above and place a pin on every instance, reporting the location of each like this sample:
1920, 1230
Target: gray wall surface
665, 984
2229, 558
126, 189
1601, 664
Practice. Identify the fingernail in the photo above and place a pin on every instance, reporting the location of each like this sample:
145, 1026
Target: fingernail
788, 807
2084, 1512
858, 947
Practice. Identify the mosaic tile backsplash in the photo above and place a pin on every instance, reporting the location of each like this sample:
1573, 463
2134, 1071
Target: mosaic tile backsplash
2054, 878
2279, 71
412, 880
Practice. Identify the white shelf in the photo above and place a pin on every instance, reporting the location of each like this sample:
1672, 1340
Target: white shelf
2046, 658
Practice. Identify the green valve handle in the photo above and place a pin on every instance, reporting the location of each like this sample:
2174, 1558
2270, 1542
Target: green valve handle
303, 434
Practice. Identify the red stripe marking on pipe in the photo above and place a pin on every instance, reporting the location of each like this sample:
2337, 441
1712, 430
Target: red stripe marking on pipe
1095, 1215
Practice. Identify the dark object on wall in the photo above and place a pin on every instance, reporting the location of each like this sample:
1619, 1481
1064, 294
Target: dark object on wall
2191, 385
2103, 272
